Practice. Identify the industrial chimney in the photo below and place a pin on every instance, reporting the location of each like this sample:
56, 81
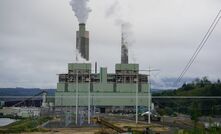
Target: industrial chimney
82, 43
124, 50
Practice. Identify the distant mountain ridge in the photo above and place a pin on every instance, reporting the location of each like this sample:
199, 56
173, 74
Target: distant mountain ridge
24, 91
33, 91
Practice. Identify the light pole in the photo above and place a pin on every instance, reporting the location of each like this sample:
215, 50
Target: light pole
76, 97
89, 99
149, 92
149, 99
137, 99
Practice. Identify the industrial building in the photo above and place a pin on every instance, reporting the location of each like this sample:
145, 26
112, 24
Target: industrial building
84, 87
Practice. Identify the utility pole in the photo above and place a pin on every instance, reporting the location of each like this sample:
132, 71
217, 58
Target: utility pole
137, 100
149, 92
76, 97
149, 99
89, 98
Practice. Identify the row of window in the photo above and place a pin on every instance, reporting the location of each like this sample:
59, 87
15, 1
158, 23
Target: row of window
95, 78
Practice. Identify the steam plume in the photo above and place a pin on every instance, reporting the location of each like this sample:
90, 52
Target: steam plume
81, 9
79, 58
127, 33
119, 12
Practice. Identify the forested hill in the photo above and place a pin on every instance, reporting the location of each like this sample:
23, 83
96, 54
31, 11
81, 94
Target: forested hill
199, 87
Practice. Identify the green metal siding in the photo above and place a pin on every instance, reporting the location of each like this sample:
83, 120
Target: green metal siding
103, 87
82, 87
101, 99
61, 87
71, 87
126, 88
104, 93
79, 66
103, 75
134, 67
144, 88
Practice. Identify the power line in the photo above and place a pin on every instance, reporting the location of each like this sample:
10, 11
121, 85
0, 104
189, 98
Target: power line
200, 46
196, 53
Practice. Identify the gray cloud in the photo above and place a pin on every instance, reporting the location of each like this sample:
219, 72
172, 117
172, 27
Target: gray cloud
37, 38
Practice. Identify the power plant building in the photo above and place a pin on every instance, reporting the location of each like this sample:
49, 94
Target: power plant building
81, 86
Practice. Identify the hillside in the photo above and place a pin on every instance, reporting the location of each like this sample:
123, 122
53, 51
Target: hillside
199, 87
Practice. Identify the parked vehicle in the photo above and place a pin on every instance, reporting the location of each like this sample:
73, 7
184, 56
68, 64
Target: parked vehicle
153, 116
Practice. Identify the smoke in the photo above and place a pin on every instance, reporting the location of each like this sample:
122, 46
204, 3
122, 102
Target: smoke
81, 9
79, 58
120, 12
127, 34
112, 9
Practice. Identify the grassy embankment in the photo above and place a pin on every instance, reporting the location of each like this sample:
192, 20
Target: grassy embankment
25, 125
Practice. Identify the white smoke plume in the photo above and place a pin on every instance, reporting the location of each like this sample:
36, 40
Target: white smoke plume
80, 9
127, 33
79, 58
119, 12
112, 9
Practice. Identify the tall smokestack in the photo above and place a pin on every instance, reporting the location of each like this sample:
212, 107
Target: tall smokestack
82, 44
124, 50
95, 67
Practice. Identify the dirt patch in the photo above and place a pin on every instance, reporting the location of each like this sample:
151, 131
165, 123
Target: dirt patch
68, 131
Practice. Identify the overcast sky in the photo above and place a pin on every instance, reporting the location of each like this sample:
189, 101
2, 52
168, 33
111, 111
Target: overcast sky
37, 38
